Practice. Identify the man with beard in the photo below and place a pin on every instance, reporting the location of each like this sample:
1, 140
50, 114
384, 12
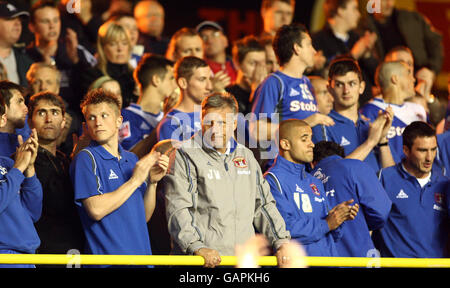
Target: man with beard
16, 114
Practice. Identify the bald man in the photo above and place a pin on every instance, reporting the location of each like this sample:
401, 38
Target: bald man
425, 78
396, 82
300, 197
323, 97
150, 21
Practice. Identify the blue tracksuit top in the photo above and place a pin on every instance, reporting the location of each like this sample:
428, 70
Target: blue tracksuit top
417, 226
300, 198
350, 136
345, 179
443, 155
8, 144
20, 208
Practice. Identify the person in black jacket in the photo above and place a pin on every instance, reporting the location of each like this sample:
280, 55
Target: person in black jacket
114, 52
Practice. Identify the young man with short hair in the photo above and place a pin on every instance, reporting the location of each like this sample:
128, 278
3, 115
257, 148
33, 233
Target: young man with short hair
16, 113
114, 192
286, 93
193, 77
360, 139
417, 226
156, 81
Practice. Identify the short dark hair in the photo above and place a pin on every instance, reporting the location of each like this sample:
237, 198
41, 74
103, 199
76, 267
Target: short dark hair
39, 5
330, 7
5, 90
2, 106
416, 129
342, 65
285, 38
98, 96
184, 67
324, 149
148, 66
246, 45
219, 100
45, 96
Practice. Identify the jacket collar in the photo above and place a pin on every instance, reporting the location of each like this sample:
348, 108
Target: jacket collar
102, 151
405, 174
291, 167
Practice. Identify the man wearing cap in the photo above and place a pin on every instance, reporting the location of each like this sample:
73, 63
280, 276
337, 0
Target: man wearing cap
14, 59
215, 44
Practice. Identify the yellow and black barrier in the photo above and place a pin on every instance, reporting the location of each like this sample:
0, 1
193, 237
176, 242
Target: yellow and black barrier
71, 260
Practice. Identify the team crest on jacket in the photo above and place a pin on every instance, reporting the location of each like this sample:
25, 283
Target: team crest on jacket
438, 198
240, 162
314, 189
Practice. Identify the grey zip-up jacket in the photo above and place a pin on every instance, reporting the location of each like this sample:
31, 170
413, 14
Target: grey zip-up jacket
218, 201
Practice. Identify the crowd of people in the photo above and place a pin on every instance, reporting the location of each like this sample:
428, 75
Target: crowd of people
117, 140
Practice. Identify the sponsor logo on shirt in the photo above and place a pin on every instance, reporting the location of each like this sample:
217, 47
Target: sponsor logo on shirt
243, 172
296, 105
395, 131
402, 195
320, 200
438, 208
112, 175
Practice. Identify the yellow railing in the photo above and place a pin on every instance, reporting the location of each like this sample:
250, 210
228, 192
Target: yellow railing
182, 260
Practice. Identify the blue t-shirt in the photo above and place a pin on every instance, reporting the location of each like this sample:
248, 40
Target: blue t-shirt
137, 124
301, 200
345, 133
94, 171
417, 226
280, 97
179, 125
20, 208
345, 179
403, 116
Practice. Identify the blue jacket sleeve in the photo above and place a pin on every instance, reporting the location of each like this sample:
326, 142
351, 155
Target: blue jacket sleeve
31, 197
307, 230
166, 130
373, 199
9, 186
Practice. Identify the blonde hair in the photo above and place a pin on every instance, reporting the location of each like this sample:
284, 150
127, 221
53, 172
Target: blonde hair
107, 33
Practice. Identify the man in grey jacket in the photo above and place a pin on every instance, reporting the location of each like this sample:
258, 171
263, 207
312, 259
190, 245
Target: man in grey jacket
216, 195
